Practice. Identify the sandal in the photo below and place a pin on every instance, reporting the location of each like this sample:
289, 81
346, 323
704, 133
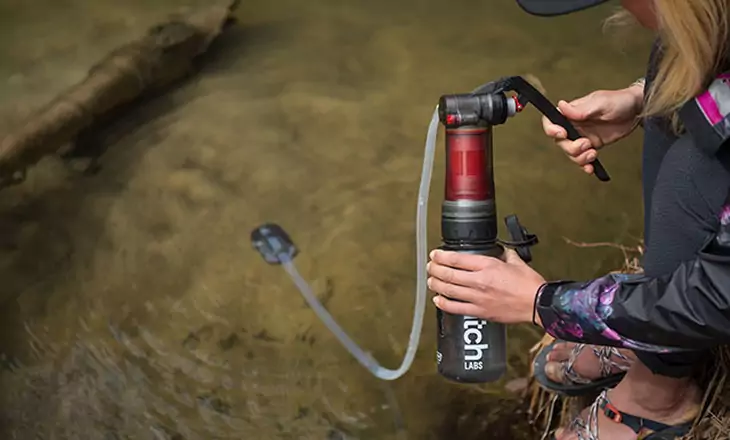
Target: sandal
576, 384
646, 429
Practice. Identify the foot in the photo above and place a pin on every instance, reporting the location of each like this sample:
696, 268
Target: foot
651, 402
570, 362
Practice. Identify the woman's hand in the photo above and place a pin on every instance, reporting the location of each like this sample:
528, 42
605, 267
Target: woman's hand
485, 287
602, 117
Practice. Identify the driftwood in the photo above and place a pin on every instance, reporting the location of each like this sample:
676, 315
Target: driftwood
164, 55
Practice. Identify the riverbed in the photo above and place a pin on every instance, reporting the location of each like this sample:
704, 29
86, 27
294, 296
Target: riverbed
132, 303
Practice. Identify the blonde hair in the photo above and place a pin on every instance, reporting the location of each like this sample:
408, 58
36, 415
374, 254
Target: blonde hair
694, 37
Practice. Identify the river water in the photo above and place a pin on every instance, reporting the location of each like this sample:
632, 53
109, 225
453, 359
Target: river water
133, 306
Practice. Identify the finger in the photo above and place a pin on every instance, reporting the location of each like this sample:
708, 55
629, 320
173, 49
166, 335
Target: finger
553, 130
585, 158
456, 307
460, 260
511, 256
453, 291
574, 148
451, 275
580, 109
588, 169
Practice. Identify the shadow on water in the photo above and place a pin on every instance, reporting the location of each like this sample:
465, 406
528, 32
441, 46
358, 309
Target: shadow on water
132, 304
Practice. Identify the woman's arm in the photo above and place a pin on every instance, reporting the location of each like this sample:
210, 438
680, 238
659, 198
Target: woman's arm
683, 303
683, 300
638, 89
688, 309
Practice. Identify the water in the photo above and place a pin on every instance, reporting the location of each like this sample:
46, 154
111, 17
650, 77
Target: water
133, 306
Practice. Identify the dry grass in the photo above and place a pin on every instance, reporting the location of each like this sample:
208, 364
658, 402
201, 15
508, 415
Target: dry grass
548, 410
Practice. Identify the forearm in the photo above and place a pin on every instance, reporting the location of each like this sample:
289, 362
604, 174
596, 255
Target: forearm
686, 310
580, 312
637, 90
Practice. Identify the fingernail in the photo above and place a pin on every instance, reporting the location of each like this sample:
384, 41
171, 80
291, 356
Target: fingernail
428, 282
591, 157
586, 145
435, 300
431, 255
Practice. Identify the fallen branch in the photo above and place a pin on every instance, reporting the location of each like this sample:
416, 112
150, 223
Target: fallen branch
164, 55
624, 248
632, 254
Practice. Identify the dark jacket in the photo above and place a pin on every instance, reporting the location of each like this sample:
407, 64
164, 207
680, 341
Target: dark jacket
686, 310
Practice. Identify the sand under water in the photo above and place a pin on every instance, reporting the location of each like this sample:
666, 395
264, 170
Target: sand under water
133, 306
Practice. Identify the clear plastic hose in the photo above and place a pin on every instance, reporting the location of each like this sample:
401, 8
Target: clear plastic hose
421, 255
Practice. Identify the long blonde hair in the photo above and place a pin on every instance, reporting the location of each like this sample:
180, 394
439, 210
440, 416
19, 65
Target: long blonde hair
694, 36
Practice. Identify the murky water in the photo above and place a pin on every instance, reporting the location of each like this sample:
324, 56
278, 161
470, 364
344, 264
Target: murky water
133, 306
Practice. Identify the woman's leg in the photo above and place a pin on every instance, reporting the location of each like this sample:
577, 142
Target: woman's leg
642, 393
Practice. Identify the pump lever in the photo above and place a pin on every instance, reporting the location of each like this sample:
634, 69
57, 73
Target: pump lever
527, 93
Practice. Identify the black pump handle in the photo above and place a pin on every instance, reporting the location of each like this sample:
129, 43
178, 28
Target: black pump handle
529, 94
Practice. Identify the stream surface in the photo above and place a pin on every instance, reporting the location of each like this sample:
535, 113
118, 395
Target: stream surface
132, 304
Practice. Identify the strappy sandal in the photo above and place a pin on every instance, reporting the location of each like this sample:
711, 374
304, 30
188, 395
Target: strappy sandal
577, 385
645, 429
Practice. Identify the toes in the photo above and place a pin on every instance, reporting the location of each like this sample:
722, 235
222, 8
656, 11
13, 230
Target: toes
564, 434
554, 371
560, 352
564, 346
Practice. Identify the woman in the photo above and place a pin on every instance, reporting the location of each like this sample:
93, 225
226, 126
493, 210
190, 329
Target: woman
686, 184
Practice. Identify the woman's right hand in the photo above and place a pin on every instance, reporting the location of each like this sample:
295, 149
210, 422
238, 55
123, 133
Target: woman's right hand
602, 117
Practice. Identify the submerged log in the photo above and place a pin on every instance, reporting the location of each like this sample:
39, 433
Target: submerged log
164, 55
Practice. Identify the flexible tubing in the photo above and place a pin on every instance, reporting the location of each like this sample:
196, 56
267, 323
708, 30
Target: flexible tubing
421, 255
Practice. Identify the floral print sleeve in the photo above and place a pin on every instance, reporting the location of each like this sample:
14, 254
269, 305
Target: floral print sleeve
577, 312
688, 309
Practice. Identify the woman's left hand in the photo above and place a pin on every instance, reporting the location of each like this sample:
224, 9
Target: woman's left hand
498, 290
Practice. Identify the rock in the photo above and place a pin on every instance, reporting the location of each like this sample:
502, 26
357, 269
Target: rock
516, 386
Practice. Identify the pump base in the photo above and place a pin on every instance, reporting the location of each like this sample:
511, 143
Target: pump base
470, 349
484, 377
